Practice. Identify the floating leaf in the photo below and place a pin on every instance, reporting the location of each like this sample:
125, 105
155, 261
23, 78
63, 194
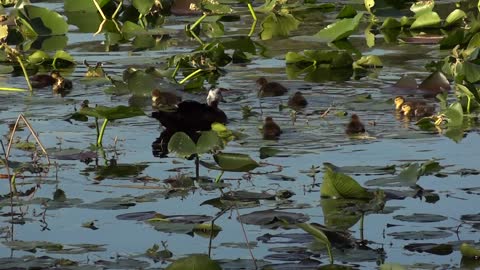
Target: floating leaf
194, 262
427, 20
45, 21
272, 217
339, 185
454, 17
339, 30
112, 113
182, 144
347, 12
278, 25
469, 251
422, 218
370, 61
234, 162
407, 177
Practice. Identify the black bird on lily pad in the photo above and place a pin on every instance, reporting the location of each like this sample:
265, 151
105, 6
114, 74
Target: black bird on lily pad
191, 116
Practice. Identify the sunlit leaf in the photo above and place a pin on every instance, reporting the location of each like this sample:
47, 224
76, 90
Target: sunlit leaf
235, 162
181, 144
278, 25
469, 251
339, 185
339, 30
194, 262
454, 17
347, 12
45, 21
112, 113
208, 141
422, 7
427, 20
143, 6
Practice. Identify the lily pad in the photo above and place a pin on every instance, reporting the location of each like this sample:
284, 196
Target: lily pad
338, 185
420, 235
112, 113
422, 218
272, 217
340, 29
195, 262
45, 21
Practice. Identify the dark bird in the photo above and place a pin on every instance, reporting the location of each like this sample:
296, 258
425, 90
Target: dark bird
164, 98
190, 116
355, 126
270, 89
62, 84
271, 131
297, 100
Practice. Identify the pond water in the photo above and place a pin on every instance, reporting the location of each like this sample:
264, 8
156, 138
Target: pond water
97, 192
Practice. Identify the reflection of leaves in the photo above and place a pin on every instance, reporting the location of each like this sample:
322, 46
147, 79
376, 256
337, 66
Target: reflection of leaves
112, 113
272, 217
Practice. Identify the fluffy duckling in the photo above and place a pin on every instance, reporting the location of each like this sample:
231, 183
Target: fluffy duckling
164, 98
44, 80
271, 131
297, 100
355, 126
270, 89
417, 111
190, 116
399, 101
61, 84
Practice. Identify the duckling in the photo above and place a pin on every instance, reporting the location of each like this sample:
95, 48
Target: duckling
43, 80
61, 84
271, 131
190, 116
270, 89
355, 126
297, 100
399, 101
164, 98
417, 111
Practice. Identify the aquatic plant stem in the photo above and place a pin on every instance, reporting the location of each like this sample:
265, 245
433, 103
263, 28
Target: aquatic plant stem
198, 22
102, 131
117, 10
99, 10
211, 228
250, 8
12, 89
469, 101
252, 28
246, 237
19, 60
197, 167
361, 227
191, 75
219, 177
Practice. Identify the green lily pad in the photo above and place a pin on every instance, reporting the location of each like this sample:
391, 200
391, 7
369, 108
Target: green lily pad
278, 25
338, 185
143, 6
455, 17
195, 262
427, 20
272, 217
44, 21
469, 251
422, 218
234, 162
437, 249
112, 113
340, 29
407, 177
420, 235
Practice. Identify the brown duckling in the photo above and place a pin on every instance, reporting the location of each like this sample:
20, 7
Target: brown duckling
417, 111
297, 100
61, 84
271, 131
190, 116
44, 80
399, 101
270, 89
355, 126
164, 98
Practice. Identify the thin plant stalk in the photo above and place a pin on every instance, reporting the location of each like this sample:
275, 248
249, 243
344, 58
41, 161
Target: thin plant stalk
10, 186
197, 167
197, 38
198, 22
219, 177
246, 238
99, 10
250, 8
117, 10
19, 60
361, 227
211, 229
32, 131
102, 131
191, 75
12, 89
252, 28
